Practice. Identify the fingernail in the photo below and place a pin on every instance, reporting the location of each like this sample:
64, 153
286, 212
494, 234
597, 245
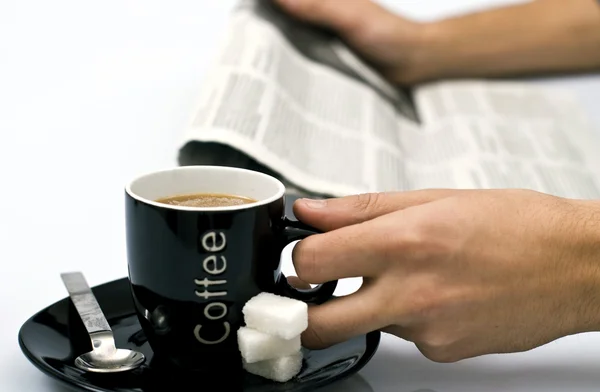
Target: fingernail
315, 203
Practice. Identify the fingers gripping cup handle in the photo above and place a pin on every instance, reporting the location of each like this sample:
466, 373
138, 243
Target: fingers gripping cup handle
294, 231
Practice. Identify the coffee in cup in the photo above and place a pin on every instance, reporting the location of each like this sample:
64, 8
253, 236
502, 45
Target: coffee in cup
206, 200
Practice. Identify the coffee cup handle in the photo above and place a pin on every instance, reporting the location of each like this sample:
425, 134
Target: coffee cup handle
294, 231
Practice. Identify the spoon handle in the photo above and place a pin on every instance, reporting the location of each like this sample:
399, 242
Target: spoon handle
86, 304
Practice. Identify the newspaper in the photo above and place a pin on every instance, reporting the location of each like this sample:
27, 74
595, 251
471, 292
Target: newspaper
297, 102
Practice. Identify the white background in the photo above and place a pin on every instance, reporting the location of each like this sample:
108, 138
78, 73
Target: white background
92, 93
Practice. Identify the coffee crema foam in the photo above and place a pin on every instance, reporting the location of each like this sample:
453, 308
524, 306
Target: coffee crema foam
205, 200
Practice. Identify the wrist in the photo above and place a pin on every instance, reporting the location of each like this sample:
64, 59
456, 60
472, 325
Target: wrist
536, 37
444, 49
422, 60
463, 47
427, 61
584, 246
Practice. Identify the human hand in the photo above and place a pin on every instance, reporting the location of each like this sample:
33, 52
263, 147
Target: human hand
385, 40
530, 38
459, 273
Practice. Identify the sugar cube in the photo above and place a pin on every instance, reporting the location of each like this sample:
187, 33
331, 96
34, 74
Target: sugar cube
258, 346
279, 369
276, 315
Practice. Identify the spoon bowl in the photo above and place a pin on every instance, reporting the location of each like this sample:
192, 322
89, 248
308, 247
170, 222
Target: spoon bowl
121, 360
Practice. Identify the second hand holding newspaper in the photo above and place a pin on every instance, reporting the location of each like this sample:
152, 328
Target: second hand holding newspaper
315, 114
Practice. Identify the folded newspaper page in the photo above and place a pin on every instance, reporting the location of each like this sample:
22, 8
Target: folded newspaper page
298, 103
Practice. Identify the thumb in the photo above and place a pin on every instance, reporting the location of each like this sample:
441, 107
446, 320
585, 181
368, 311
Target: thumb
332, 214
339, 15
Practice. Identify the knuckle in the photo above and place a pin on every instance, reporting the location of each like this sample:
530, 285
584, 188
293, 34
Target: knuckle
438, 342
428, 238
435, 340
366, 202
426, 303
304, 258
439, 355
437, 345
414, 238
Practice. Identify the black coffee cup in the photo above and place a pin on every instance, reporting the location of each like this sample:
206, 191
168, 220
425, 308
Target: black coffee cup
192, 269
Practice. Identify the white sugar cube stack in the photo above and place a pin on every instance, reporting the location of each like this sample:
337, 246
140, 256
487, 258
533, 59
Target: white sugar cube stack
275, 315
258, 346
280, 369
270, 341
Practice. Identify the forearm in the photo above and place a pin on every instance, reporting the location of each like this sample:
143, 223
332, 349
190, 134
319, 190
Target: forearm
584, 237
538, 37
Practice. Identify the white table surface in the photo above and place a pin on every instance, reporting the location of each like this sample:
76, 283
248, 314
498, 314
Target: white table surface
92, 93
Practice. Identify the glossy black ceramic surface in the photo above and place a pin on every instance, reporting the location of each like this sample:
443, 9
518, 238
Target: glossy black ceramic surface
55, 336
193, 270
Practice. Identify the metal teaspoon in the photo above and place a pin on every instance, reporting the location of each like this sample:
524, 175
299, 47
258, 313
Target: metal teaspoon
104, 357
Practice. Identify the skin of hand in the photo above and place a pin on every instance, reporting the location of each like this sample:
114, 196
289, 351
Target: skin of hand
461, 273
542, 36
385, 40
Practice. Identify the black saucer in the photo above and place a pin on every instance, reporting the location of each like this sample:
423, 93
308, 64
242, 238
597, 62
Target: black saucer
55, 336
